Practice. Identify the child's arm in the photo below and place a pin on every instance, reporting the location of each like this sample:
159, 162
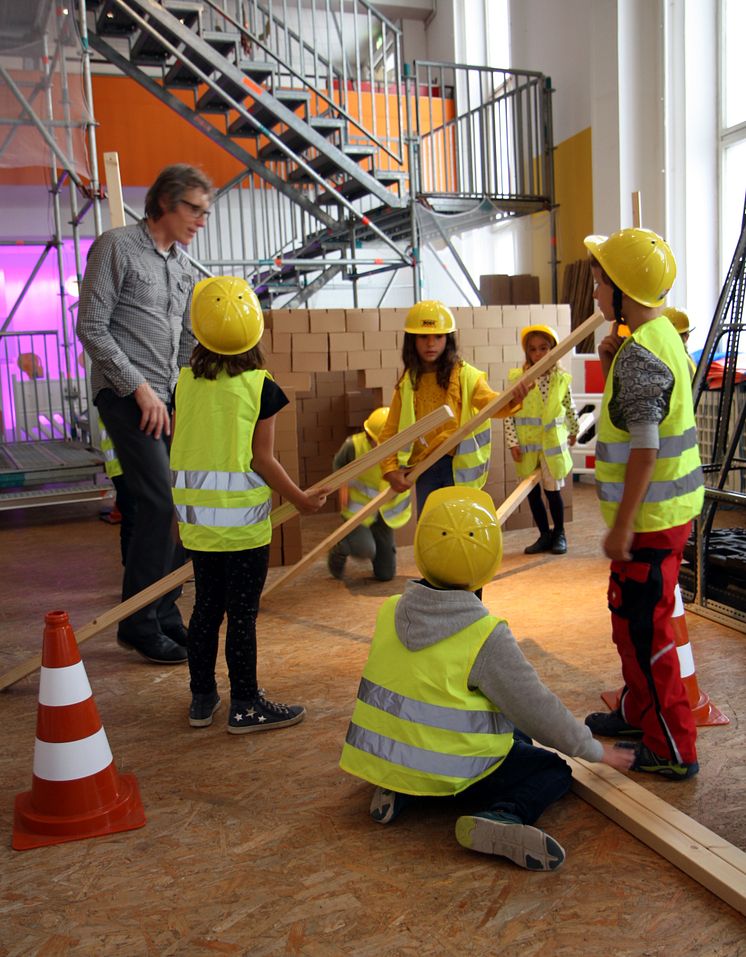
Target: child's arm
637, 478
571, 416
265, 463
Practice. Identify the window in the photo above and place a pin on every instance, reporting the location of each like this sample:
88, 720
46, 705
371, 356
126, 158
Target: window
732, 126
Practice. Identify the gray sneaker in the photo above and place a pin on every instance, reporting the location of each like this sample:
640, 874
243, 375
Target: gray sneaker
505, 836
386, 806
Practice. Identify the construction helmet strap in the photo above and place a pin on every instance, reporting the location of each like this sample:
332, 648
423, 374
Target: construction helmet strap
617, 302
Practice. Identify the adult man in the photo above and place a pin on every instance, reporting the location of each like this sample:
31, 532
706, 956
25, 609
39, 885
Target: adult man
134, 323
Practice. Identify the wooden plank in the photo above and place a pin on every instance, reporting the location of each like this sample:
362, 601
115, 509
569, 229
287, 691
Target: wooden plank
694, 849
279, 515
114, 190
350, 471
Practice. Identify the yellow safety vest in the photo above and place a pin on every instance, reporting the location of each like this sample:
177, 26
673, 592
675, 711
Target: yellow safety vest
676, 491
417, 728
221, 504
541, 426
112, 465
366, 486
471, 459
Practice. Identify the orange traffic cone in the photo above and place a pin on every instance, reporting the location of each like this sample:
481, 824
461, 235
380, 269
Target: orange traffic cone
704, 711
76, 791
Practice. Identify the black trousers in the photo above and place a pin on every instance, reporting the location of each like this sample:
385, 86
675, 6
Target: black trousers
153, 549
226, 583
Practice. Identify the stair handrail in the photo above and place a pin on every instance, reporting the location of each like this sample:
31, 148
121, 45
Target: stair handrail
245, 32
273, 137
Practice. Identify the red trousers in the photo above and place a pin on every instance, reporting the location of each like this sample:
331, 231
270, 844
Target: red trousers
641, 601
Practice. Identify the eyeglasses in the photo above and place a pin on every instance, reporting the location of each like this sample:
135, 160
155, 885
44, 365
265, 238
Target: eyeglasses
196, 212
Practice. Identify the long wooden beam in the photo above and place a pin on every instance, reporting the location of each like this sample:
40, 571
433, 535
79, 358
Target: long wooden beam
279, 515
697, 851
492, 408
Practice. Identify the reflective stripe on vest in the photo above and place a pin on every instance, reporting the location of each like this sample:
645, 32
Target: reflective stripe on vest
471, 459
676, 490
366, 486
112, 465
541, 426
221, 503
416, 727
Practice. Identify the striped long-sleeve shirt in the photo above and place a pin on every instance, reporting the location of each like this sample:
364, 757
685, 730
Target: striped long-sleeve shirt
133, 315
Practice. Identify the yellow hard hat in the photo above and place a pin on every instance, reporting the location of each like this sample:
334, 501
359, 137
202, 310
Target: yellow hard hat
544, 330
638, 261
458, 541
375, 422
226, 315
679, 319
429, 318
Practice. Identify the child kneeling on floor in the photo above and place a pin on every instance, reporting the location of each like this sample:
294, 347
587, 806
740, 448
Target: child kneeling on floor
445, 690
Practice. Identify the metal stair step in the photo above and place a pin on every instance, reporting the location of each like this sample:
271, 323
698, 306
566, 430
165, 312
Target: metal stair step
182, 75
112, 21
327, 166
211, 102
53, 494
327, 126
146, 49
351, 189
292, 99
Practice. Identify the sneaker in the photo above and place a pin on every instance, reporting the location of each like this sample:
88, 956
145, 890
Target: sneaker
335, 562
542, 544
646, 760
262, 715
559, 542
202, 708
504, 835
610, 724
386, 806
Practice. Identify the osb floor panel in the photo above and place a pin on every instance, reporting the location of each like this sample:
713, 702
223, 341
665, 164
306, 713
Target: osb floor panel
258, 845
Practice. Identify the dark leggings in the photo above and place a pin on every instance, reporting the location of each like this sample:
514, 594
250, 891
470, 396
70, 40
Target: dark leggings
226, 583
556, 508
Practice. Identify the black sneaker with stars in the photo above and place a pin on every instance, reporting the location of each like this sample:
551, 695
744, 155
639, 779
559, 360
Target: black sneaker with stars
262, 715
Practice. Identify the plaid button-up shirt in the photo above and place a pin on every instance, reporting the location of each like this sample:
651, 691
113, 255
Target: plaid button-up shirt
133, 315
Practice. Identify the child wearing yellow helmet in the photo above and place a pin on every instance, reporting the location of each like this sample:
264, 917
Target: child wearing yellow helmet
224, 471
649, 483
539, 435
373, 539
434, 375
445, 689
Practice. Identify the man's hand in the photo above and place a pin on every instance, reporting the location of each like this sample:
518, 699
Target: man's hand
399, 480
515, 451
155, 418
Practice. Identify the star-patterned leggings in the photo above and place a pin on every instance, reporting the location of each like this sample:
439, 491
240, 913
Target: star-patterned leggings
226, 583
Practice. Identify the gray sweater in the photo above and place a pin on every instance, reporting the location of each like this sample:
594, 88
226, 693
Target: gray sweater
426, 615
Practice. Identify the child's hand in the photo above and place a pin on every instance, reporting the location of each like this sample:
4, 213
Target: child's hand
618, 543
609, 345
313, 500
572, 439
619, 757
399, 480
522, 390
515, 451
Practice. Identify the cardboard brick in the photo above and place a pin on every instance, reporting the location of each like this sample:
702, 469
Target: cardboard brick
300, 381
500, 336
473, 337
393, 318
379, 340
364, 359
327, 320
390, 358
345, 341
281, 342
495, 289
464, 317
488, 317
362, 320
289, 320
524, 289
310, 361
516, 317
277, 362
311, 342
338, 362
330, 384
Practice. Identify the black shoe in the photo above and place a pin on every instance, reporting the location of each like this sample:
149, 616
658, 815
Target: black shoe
202, 708
158, 648
610, 724
542, 544
646, 760
559, 542
335, 562
262, 715
177, 633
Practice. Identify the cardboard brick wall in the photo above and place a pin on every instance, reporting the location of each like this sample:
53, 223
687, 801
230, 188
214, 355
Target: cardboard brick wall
337, 365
